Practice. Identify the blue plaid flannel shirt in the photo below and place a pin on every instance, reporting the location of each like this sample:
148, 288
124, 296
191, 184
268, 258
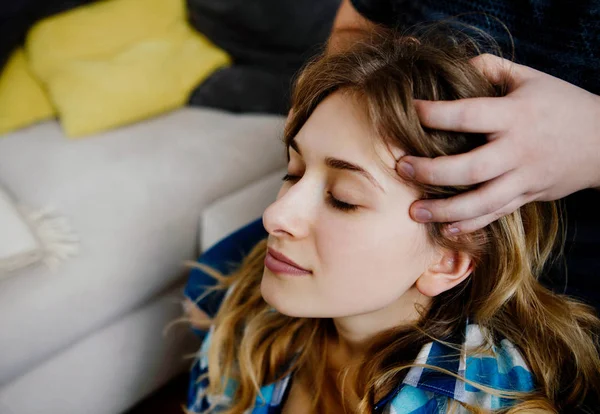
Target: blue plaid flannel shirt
423, 390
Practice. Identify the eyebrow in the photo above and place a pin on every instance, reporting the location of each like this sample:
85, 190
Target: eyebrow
338, 164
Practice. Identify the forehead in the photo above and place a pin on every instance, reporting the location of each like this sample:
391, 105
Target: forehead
339, 127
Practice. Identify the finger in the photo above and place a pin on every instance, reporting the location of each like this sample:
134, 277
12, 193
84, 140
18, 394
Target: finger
482, 164
469, 226
491, 196
482, 115
498, 70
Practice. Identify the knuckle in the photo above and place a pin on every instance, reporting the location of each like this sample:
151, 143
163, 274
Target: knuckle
522, 115
520, 153
512, 207
464, 118
428, 173
476, 224
485, 221
534, 188
494, 217
477, 172
489, 205
443, 211
426, 112
482, 59
535, 196
525, 182
500, 213
488, 219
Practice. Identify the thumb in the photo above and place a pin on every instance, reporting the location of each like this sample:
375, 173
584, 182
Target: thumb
499, 70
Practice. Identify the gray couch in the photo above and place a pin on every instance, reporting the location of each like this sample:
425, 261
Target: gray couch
89, 338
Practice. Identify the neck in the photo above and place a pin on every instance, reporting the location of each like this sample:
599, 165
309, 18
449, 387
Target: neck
356, 331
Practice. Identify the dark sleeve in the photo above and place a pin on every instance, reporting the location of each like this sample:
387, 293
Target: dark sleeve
222, 257
378, 11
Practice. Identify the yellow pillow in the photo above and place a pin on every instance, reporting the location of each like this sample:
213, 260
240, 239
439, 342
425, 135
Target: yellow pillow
118, 61
22, 99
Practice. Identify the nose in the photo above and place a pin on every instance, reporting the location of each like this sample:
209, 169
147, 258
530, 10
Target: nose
290, 215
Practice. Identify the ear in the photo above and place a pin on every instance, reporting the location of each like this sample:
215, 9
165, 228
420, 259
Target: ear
448, 269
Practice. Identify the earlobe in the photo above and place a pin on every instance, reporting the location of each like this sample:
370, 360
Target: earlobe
448, 270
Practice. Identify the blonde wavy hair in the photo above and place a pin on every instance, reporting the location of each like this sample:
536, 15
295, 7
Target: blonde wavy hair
558, 337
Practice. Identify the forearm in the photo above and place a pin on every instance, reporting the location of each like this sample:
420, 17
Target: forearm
342, 39
348, 28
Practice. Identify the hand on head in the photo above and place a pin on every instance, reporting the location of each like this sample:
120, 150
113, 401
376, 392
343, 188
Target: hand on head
544, 144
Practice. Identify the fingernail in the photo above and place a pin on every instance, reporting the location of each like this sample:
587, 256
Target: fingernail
423, 215
406, 169
453, 230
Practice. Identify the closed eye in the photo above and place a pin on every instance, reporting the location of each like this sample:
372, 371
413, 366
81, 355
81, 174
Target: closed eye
333, 202
340, 205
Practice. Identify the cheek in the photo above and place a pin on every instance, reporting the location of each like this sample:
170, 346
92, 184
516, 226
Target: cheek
370, 242
374, 257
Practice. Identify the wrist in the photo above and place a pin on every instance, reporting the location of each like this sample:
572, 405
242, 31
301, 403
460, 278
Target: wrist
342, 39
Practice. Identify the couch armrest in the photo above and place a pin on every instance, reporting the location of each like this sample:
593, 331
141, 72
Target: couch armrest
235, 210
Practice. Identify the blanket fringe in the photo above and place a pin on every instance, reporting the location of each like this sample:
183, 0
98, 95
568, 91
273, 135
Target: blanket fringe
54, 233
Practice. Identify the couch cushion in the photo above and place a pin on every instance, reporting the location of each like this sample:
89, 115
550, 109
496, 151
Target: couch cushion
235, 210
134, 196
124, 362
111, 63
23, 101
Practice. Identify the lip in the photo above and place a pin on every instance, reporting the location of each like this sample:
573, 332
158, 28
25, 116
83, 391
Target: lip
279, 263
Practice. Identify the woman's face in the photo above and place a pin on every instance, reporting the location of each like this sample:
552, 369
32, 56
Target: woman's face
342, 215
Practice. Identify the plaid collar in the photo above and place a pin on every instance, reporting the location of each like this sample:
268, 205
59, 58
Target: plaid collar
428, 390
423, 390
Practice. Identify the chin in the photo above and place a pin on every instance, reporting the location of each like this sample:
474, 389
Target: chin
276, 296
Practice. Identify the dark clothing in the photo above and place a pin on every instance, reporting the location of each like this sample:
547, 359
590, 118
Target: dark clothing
16, 17
269, 41
558, 37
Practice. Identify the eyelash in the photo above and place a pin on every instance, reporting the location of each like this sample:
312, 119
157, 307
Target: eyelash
334, 202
